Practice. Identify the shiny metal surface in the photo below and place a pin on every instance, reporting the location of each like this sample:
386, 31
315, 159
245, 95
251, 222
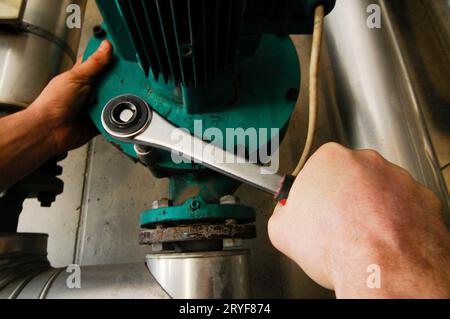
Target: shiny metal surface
124, 281
425, 29
159, 133
26, 274
52, 15
44, 47
22, 257
11, 11
371, 91
222, 274
14, 243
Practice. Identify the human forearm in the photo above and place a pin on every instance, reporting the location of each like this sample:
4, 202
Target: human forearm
377, 270
52, 125
25, 143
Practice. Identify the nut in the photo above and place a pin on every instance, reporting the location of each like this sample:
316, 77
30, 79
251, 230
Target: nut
229, 200
161, 203
157, 247
232, 242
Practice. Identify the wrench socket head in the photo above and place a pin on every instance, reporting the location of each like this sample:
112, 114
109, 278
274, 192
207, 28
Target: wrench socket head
125, 116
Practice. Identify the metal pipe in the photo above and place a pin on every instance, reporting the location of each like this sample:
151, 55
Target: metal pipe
371, 90
26, 274
36, 49
221, 274
123, 281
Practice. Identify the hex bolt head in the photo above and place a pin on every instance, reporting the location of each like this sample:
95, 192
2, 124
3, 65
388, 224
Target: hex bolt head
143, 150
231, 222
46, 199
157, 247
229, 200
232, 242
161, 203
195, 205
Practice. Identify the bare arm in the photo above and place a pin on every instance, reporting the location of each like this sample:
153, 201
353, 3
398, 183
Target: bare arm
52, 124
352, 211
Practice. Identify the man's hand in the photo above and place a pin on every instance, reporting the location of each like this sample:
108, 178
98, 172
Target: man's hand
349, 210
52, 125
61, 101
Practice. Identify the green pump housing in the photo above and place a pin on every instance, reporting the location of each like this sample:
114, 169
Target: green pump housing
222, 63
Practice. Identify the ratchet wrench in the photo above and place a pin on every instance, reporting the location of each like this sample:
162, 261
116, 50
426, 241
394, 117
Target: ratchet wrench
130, 119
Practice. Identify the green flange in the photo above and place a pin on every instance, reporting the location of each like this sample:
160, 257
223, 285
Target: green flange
196, 210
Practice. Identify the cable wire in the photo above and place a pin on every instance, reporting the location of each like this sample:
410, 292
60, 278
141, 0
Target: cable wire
319, 16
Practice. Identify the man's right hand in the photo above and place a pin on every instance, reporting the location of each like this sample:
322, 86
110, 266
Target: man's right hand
352, 212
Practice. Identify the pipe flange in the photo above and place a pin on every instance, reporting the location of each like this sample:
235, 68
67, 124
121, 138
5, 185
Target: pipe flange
189, 233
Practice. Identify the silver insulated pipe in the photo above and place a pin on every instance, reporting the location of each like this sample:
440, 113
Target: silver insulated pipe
25, 273
35, 47
377, 81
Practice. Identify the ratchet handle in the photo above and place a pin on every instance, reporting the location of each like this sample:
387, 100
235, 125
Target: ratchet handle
285, 187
